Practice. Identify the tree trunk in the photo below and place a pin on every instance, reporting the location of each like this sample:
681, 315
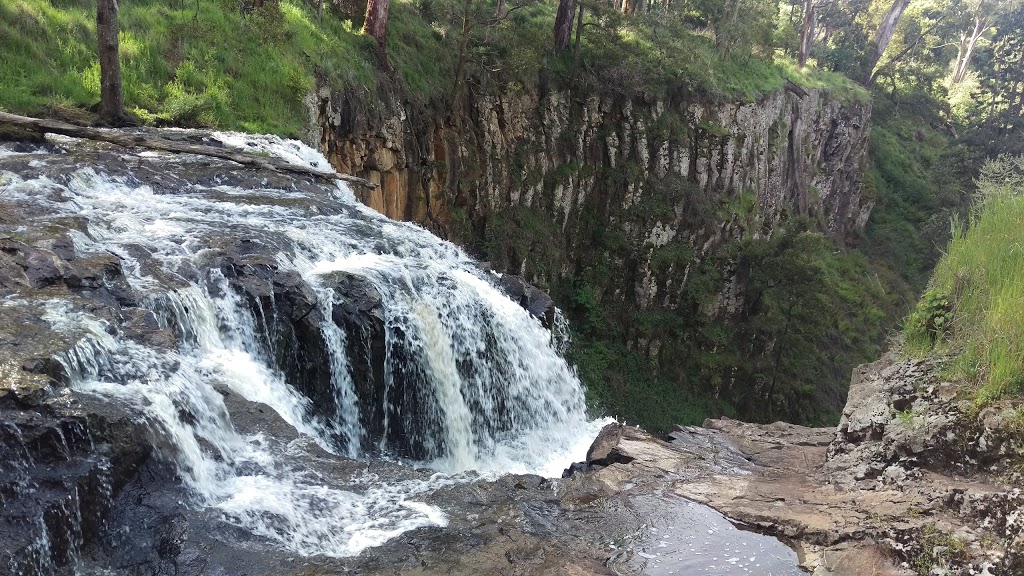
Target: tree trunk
563, 25
376, 21
460, 64
966, 49
884, 34
807, 32
576, 46
111, 94
629, 6
892, 61
502, 10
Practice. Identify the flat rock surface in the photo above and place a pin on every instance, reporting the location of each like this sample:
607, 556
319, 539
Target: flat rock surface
895, 488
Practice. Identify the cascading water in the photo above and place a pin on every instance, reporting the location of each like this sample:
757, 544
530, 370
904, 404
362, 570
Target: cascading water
468, 381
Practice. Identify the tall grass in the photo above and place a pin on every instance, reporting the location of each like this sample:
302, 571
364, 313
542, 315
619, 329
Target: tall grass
979, 285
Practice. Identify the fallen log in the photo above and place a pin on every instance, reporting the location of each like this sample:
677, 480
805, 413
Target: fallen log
796, 89
129, 140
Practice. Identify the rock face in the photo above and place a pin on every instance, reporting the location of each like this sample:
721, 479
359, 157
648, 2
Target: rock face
637, 200
794, 153
911, 482
557, 169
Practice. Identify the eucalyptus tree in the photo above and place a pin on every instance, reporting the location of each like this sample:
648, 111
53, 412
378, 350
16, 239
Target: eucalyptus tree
111, 93
375, 23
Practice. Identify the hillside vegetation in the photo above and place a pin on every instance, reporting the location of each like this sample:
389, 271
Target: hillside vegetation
184, 64
206, 63
974, 307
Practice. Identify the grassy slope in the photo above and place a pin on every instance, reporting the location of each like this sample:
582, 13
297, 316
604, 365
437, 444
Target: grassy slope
974, 308
183, 64
203, 63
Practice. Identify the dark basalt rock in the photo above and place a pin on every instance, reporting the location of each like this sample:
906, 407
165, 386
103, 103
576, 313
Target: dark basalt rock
534, 300
604, 451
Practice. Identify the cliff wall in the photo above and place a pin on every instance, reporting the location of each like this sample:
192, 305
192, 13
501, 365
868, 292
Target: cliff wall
631, 199
649, 168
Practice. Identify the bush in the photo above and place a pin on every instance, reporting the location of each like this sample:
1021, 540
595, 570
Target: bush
931, 319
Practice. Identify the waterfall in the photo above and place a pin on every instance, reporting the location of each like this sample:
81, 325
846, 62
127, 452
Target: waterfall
466, 379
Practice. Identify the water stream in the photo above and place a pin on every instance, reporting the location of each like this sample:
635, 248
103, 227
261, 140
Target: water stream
495, 396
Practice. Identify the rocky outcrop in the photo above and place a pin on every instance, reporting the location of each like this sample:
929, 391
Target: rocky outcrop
902, 416
911, 482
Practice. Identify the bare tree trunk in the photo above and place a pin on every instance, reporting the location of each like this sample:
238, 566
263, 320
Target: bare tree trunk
807, 32
892, 61
966, 49
629, 6
376, 22
563, 25
576, 46
111, 94
502, 10
460, 65
884, 34
320, 10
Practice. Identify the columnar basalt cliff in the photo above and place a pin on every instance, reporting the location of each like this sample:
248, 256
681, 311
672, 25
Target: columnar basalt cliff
658, 172
796, 152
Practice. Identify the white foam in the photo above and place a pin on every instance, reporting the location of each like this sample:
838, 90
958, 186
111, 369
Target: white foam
500, 396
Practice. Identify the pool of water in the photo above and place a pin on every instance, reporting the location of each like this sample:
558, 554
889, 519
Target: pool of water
683, 537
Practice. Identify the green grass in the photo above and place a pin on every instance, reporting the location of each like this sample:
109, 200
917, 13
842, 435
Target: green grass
980, 277
194, 63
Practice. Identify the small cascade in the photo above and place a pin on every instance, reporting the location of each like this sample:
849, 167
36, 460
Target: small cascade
368, 336
345, 421
55, 493
453, 412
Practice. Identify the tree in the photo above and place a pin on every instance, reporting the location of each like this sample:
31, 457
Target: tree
842, 42
563, 25
976, 17
741, 25
918, 27
807, 31
376, 22
111, 93
1004, 78
883, 35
